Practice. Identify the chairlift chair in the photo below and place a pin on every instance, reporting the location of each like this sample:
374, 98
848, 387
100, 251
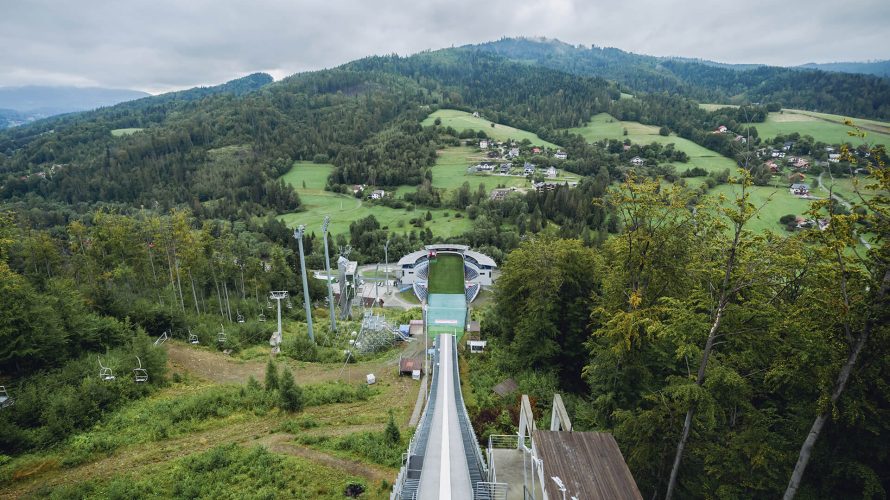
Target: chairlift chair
139, 374
290, 305
5, 400
221, 336
269, 304
105, 372
239, 318
262, 317
193, 339
163, 338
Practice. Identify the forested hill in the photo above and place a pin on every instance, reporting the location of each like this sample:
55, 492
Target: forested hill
220, 150
855, 95
877, 68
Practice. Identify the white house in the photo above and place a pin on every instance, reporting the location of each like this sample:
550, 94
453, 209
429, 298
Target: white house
483, 144
834, 157
560, 155
637, 161
551, 172
721, 129
377, 194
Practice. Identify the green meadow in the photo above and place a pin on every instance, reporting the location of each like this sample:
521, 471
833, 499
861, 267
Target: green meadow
604, 126
823, 127
461, 120
450, 172
344, 209
118, 132
771, 203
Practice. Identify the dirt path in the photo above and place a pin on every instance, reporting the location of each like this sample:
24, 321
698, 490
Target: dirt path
217, 367
281, 443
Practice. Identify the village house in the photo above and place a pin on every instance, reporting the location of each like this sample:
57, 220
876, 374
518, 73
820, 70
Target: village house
377, 194
513, 153
802, 164
787, 146
551, 172
475, 114
834, 157
772, 166
799, 189
506, 167
536, 150
721, 129
528, 168
741, 138
560, 155
483, 144
626, 147
637, 161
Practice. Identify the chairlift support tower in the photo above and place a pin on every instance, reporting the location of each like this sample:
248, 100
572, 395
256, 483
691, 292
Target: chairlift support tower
298, 234
278, 296
327, 270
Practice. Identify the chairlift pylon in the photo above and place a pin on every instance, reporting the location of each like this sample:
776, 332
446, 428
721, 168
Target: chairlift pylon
193, 339
140, 374
5, 400
105, 372
221, 336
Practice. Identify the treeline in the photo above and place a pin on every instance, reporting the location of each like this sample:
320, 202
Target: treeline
846, 94
700, 343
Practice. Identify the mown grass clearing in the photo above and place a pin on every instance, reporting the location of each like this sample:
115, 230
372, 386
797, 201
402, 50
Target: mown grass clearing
461, 120
604, 126
823, 127
771, 202
447, 274
118, 132
450, 172
344, 209
847, 187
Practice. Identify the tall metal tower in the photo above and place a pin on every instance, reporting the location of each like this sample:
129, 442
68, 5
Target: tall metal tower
279, 296
386, 257
298, 234
327, 270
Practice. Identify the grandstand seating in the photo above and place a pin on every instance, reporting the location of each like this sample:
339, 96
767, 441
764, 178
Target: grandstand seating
472, 291
470, 273
421, 291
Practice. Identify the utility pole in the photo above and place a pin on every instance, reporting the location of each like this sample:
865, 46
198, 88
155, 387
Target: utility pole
327, 270
278, 296
298, 234
386, 256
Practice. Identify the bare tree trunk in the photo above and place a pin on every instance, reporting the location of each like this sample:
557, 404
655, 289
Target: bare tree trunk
228, 308
216, 284
194, 294
709, 345
179, 283
840, 384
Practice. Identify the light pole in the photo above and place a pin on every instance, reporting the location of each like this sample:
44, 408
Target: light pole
278, 296
298, 234
327, 270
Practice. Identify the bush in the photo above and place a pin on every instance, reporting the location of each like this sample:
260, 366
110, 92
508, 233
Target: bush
271, 377
391, 433
787, 219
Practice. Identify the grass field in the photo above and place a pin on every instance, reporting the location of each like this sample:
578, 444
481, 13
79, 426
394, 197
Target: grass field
447, 274
450, 172
604, 126
461, 120
824, 127
344, 209
846, 187
715, 107
771, 202
118, 132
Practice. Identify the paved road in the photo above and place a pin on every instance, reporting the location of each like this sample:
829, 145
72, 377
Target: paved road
445, 471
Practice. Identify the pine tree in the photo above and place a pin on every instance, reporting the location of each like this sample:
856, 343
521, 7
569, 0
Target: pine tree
392, 434
291, 395
272, 382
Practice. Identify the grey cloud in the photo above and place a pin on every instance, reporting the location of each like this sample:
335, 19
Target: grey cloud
166, 44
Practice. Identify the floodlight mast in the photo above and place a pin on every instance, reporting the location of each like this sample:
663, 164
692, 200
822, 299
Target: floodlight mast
386, 257
278, 296
298, 234
327, 269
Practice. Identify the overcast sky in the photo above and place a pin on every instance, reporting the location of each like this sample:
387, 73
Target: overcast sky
162, 45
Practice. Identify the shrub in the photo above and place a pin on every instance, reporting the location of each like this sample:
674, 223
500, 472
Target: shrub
291, 395
271, 376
